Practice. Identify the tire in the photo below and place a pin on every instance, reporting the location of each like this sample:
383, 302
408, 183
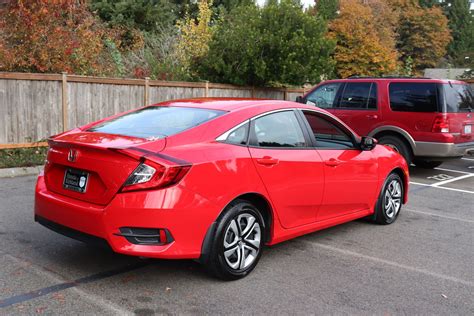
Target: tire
390, 200
427, 164
398, 145
240, 230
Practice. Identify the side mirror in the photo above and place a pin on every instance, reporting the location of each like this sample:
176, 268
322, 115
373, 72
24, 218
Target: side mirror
368, 143
300, 99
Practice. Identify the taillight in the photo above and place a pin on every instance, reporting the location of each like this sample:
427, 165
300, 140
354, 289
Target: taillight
152, 175
440, 124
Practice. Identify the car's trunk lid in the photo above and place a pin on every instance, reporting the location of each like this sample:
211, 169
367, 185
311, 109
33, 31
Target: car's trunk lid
98, 158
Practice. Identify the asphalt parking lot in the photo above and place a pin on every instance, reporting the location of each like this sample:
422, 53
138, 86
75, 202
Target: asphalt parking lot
422, 264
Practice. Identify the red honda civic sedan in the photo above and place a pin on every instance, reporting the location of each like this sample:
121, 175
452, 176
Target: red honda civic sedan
215, 180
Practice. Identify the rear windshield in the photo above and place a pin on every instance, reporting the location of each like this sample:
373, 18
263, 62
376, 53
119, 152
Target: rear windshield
156, 121
459, 98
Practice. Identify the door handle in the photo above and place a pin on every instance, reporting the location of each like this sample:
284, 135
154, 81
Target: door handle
267, 161
372, 116
333, 162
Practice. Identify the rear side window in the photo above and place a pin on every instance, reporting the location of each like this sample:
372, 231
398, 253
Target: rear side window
238, 136
359, 95
156, 121
459, 98
413, 97
280, 129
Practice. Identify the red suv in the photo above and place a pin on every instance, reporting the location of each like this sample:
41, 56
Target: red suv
426, 120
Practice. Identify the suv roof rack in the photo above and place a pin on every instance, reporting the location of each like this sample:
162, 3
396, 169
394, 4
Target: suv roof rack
386, 77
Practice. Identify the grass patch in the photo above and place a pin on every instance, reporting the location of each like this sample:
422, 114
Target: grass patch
22, 157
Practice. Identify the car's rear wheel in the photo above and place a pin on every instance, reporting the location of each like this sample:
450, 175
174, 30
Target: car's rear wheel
390, 200
397, 144
427, 164
238, 241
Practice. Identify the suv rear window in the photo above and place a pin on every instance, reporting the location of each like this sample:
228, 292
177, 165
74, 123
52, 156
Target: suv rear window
413, 97
459, 98
156, 121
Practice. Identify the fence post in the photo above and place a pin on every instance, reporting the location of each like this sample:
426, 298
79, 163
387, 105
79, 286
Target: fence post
285, 94
252, 92
206, 90
64, 101
146, 95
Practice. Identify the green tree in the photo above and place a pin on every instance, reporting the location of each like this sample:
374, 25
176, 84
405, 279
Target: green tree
146, 15
327, 9
461, 23
274, 45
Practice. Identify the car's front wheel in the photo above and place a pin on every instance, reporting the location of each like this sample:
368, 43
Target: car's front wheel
238, 241
390, 200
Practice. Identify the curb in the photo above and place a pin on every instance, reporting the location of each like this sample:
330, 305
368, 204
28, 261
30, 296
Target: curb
18, 172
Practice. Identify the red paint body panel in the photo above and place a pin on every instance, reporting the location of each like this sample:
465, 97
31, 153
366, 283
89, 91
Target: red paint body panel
304, 193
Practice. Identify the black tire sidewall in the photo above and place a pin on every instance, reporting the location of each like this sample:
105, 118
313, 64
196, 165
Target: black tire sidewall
217, 262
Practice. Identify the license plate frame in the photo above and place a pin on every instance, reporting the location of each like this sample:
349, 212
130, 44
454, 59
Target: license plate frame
75, 180
468, 129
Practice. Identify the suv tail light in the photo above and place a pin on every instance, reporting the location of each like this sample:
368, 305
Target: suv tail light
152, 175
441, 124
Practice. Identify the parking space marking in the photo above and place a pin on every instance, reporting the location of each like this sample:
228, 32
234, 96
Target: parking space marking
444, 188
62, 285
471, 159
390, 263
441, 216
451, 170
437, 184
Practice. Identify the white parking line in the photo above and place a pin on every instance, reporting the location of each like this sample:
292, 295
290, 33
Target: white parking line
390, 263
451, 170
441, 216
471, 159
444, 188
437, 184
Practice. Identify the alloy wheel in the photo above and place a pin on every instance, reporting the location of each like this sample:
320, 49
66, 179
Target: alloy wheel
242, 241
393, 198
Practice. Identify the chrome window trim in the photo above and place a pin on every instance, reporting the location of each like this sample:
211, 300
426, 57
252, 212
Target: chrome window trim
223, 137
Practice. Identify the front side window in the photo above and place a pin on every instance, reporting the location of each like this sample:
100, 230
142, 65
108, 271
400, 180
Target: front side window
413, 97
359, 95
156, 121
324, 96
327, 134
459, 98
280, 129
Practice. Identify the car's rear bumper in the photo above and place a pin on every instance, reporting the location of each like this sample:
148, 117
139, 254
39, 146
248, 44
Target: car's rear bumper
442, 150
185, 214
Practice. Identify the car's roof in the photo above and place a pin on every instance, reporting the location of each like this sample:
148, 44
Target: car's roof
234, 104
397, 79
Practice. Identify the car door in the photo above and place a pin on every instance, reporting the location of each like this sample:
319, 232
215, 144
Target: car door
358, 107
350, 173
290, 169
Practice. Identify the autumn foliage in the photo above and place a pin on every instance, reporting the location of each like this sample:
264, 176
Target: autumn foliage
51, 36
361, 47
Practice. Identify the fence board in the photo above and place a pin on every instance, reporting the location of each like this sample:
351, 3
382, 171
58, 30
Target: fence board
31, 105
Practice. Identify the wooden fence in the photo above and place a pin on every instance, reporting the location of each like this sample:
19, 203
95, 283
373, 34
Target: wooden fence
35, 106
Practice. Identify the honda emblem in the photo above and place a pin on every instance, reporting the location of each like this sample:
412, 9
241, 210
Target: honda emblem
72, 155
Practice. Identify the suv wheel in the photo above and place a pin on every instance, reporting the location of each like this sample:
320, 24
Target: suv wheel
427, 164
238, 241
398, 145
